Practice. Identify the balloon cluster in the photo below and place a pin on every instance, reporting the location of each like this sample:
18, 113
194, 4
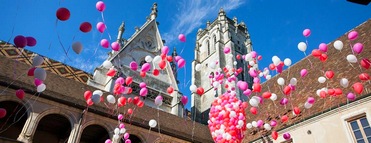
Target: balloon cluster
227, 119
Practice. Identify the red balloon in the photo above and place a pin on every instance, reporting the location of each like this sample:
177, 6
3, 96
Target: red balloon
323, 57
87, 94
2, 113
260, 57
89, 102
331, 91
136, 100
200, 91
122, 101
257, 87
284, 118
329, 74
143, 74
338, 91
365, 63
31, 71
272, 67
364, 76
162, 64
274, 135
267, 95
287, 90
130, 111
130, 100
20, 94
156, 72
111, 72
20, 41
169, 58
322, 94
85, 27
358, 87
238, 57
296, 110
63, 14
316, 53
163, 56
140, 104
253, 110
128, 80
170, 90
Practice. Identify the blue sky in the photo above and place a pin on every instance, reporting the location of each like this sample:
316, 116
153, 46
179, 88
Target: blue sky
275, 27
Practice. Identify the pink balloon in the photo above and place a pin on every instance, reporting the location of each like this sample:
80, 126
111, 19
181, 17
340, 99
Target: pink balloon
142, 85
351, 96
273, 123
143, 92
358, 48
122, 125
133, 65
115, 46
37, 81
352, 35
20, 41
182, 37
227, 50
184, 100
146, 67
306, 32
254, 54
177, 58
126, 136
165, 50
279, 68
253, 73
127, 141
260, 123
303, 72
181, 63
120, 117
247, 92
310, 100
101, 27
323, 47
120, 80
31, 41
243, 86
256, 80
104, 43
100, 6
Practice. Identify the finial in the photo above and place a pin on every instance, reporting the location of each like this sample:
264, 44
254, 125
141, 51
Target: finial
154, 11
122, 27
221, 10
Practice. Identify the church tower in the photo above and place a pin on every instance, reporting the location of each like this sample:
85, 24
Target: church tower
210, 43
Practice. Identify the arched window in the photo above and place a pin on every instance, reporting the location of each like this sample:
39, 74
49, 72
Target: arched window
94, 134
52, 128
12, 124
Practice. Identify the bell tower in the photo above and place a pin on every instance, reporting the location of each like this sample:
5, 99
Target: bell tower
210, 43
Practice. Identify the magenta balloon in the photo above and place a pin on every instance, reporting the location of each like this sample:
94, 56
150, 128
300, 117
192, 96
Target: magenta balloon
165, 50
100, 6
104, 43
120, 80
227, 50
247, 92
20, 41
323, 47
306, 32
182, 37
243, 86
146, 67
115, 46
184, 100
254, 54
351, 96
181, 63
177, 58
253, 73
120, 117
31, 41
358, 48
143, 92
310, 100
122, 125
352, 35
279, 68
142, 85
101, 27
284, 101
303, 72
133, 65
260, 123
126, 136
127, 141
286, 136
273, 123
293, 87
37, 82
108, 141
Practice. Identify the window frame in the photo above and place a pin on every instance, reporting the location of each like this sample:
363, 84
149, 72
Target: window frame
358, 118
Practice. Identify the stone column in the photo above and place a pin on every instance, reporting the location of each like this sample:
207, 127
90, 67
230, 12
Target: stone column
29, 128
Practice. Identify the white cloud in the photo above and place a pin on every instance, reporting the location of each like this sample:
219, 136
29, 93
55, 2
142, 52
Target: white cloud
192, 13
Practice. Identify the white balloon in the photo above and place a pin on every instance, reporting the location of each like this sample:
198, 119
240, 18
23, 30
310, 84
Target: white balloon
212, 65
99, 92
41, 88
77, 47
251, 63
254, 124
267, 127
302, 46
157, 59
276, 60
152, 123
287, 62
318, 92
352, 59
198, 67
116, 131
293, 81
193, 88
38, 60
107, 64
122, 130
216, 84
261, 74
111, 99
268, 77
235, 63
148, 59
249, 125
321, 79
281, 81
307, 105
248, 57
116, 136
254, 102
344, 82
40, 73
273, 97
338, 45
158, 101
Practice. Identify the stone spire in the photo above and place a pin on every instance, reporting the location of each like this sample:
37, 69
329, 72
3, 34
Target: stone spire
153, 14
173, 65
120, 32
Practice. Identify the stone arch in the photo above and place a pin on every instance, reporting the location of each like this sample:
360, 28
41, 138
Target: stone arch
96, 122
52, 127
94, 132
12, 124
137, 134
72, 119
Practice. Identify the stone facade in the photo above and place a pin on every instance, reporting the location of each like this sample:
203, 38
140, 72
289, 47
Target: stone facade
210, 43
